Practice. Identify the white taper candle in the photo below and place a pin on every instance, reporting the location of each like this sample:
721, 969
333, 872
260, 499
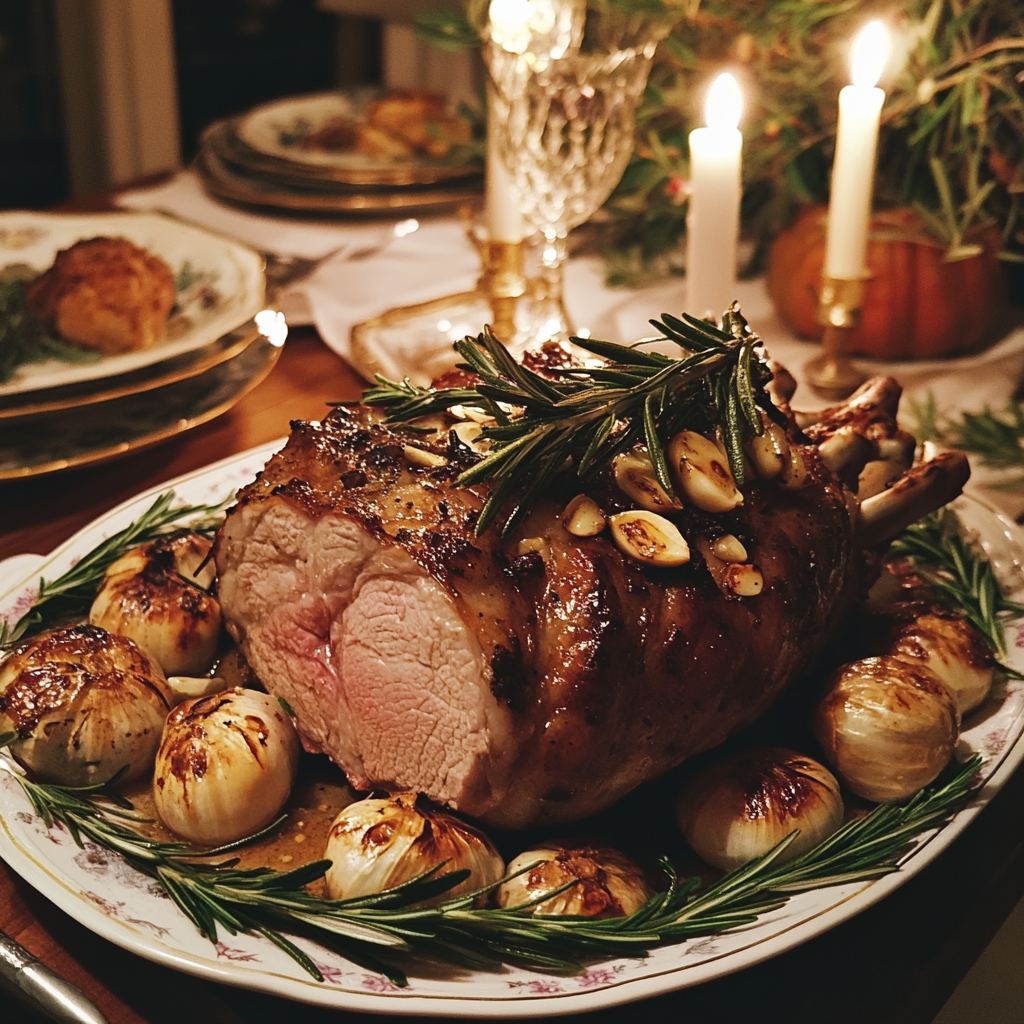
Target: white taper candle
713, 221
853, 172
501, 211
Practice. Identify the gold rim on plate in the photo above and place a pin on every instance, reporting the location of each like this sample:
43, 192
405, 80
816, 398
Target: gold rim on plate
223, 184
223, 138
147, 378
255, 362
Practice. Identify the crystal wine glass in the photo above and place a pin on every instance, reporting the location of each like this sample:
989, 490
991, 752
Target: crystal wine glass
566, 136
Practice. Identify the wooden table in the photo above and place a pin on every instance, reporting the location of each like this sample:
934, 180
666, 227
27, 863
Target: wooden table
897, 962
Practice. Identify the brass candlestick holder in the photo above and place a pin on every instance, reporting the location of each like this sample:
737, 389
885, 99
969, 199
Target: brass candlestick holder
503, 283
832, 373
416, 341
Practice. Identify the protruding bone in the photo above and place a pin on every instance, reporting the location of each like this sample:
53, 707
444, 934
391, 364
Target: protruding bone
895, 457
872, 403
878, 393
923, 489
805, 419
846, 453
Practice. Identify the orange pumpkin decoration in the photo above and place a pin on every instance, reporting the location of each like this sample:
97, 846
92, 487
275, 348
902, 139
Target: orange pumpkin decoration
916, 304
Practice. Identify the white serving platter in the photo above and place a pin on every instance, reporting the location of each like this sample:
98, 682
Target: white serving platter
221, 284
104, 894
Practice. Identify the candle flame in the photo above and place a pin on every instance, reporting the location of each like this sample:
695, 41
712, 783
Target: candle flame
870, 52
724, 103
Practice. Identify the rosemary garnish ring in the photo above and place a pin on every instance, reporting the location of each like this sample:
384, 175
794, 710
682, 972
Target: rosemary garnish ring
588, 415
373, 931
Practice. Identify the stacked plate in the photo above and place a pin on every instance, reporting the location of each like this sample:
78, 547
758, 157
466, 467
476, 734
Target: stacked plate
220, 343
271, 157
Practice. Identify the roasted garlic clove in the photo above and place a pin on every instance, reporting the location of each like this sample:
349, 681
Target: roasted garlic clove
469, 433
422, 458
954, 651
608, 883
191, 687
744, 580
729, 549
225, 767
702, 473
583, 517
156, 595
85, 703
635, 477
649, 538
888, 727
744, 805
377, 844
794, 475
769, 452
531, 545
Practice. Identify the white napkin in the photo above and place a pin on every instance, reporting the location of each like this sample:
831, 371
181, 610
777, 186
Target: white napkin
431, 259
183, 197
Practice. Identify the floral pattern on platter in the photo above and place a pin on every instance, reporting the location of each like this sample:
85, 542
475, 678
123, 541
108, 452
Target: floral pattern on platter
236, 955
109, 897
103, 863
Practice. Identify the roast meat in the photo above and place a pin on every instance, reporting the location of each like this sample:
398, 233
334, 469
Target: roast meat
526, 680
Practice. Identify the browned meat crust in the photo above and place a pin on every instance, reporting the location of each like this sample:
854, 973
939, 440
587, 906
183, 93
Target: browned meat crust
578, 673
105, 294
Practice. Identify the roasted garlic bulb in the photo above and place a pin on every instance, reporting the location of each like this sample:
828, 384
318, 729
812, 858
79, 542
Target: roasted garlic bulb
954, 650
84, 703
608, 883
157, 595
743, 805
887, 726
225, 766
377, 844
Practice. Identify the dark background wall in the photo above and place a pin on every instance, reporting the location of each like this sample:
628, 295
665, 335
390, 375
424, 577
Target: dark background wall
32, 160
230, 55
233, 54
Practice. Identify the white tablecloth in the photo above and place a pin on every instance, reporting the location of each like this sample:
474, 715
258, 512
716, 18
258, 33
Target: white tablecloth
437, 259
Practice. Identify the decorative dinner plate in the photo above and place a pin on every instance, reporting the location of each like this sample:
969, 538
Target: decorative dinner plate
146, 378
225, 183
276, 130
103, 893
219, 284
37, 445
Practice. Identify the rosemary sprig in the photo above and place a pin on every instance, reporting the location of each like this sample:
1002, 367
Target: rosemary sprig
374, 930
996, 438
587, 416
70, 595
941, 555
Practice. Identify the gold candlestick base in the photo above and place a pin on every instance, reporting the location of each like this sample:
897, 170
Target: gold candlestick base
416, 341
504, 284
832, 374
